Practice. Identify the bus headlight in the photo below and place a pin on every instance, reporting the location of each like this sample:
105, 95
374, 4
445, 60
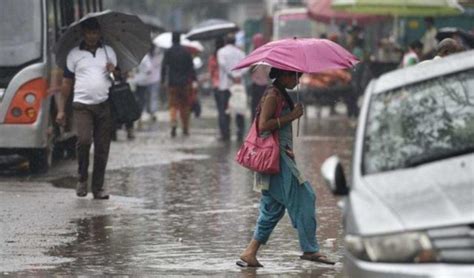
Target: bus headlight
413, 247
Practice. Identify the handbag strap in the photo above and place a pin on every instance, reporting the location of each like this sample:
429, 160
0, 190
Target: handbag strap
111, 75
279, 108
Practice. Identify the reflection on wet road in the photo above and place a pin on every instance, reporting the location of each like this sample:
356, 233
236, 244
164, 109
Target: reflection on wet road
204, 213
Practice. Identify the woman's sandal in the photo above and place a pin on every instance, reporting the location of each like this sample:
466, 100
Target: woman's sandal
243, 263
317, 258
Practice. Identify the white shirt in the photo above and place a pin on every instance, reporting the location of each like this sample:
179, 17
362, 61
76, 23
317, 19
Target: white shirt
92, 83
429, 40
409, 58
149, 71
227, 58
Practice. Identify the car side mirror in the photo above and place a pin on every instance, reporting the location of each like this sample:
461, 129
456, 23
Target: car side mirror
333, 175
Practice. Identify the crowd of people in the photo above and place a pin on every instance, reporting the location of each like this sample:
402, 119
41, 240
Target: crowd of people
327, 88
172, 73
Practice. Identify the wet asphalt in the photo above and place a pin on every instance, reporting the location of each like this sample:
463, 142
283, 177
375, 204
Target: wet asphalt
179, 206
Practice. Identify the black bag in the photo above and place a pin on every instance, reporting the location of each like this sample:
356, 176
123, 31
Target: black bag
123, 103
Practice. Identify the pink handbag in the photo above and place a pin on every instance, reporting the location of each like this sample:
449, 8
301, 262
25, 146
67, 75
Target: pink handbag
261, 154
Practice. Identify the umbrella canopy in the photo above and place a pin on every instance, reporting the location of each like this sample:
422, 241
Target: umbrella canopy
211, 29
400, 7
449, 32
153, 21
301, 55
164, 40
320, 10
126, 34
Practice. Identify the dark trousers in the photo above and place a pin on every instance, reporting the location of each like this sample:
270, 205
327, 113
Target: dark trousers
223, 118
222, 102
144, 98
94, 125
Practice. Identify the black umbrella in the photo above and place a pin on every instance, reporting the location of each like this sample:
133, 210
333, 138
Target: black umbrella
211, 29
153, 21
449, 32
125, 33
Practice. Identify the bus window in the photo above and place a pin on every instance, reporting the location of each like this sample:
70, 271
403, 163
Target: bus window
22, 43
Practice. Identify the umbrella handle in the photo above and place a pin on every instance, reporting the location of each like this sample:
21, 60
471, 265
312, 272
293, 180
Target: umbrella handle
297, 101
111, 74
298, 128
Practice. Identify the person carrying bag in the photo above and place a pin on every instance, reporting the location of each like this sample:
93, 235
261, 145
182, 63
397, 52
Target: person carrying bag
286, 189
261, 153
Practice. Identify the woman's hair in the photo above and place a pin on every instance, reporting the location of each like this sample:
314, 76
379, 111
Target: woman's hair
219, 43
275, 73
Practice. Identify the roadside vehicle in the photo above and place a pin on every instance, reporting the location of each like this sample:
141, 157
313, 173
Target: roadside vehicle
294, 22
409, 209
28, 74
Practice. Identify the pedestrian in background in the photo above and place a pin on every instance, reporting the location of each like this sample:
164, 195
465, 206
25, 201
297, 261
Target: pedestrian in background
87, 67
227, 58
286, 190
445, 48
429, 40
147, 78
178, 75
213, 69
413, 55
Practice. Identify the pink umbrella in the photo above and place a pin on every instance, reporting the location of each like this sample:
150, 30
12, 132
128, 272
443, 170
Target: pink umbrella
301, 55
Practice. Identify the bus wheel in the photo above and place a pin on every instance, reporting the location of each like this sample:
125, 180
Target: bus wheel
40, 160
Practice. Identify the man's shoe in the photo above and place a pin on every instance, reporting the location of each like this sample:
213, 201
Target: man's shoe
81, 189
101, 196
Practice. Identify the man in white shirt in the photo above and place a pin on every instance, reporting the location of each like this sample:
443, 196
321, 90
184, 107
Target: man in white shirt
147, 79
429, 40
87, 67
227, 58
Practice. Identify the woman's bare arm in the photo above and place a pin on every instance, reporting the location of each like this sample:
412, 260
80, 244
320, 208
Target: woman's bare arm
267, 122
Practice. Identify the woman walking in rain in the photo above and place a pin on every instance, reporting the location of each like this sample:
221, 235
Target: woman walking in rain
287, 189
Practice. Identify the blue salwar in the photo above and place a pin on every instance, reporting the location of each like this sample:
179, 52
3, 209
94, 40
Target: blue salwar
287, 190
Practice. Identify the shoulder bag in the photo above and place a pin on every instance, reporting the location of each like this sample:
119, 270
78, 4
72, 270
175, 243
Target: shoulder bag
261, 153
123, 104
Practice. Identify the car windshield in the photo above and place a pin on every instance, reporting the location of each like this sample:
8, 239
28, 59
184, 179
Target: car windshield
20, 32
420, 123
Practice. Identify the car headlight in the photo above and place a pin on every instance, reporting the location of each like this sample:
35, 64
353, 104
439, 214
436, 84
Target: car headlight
413, 247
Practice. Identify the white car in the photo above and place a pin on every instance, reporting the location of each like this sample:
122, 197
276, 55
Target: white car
409, 208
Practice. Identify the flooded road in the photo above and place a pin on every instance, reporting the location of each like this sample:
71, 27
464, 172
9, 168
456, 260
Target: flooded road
198, 208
